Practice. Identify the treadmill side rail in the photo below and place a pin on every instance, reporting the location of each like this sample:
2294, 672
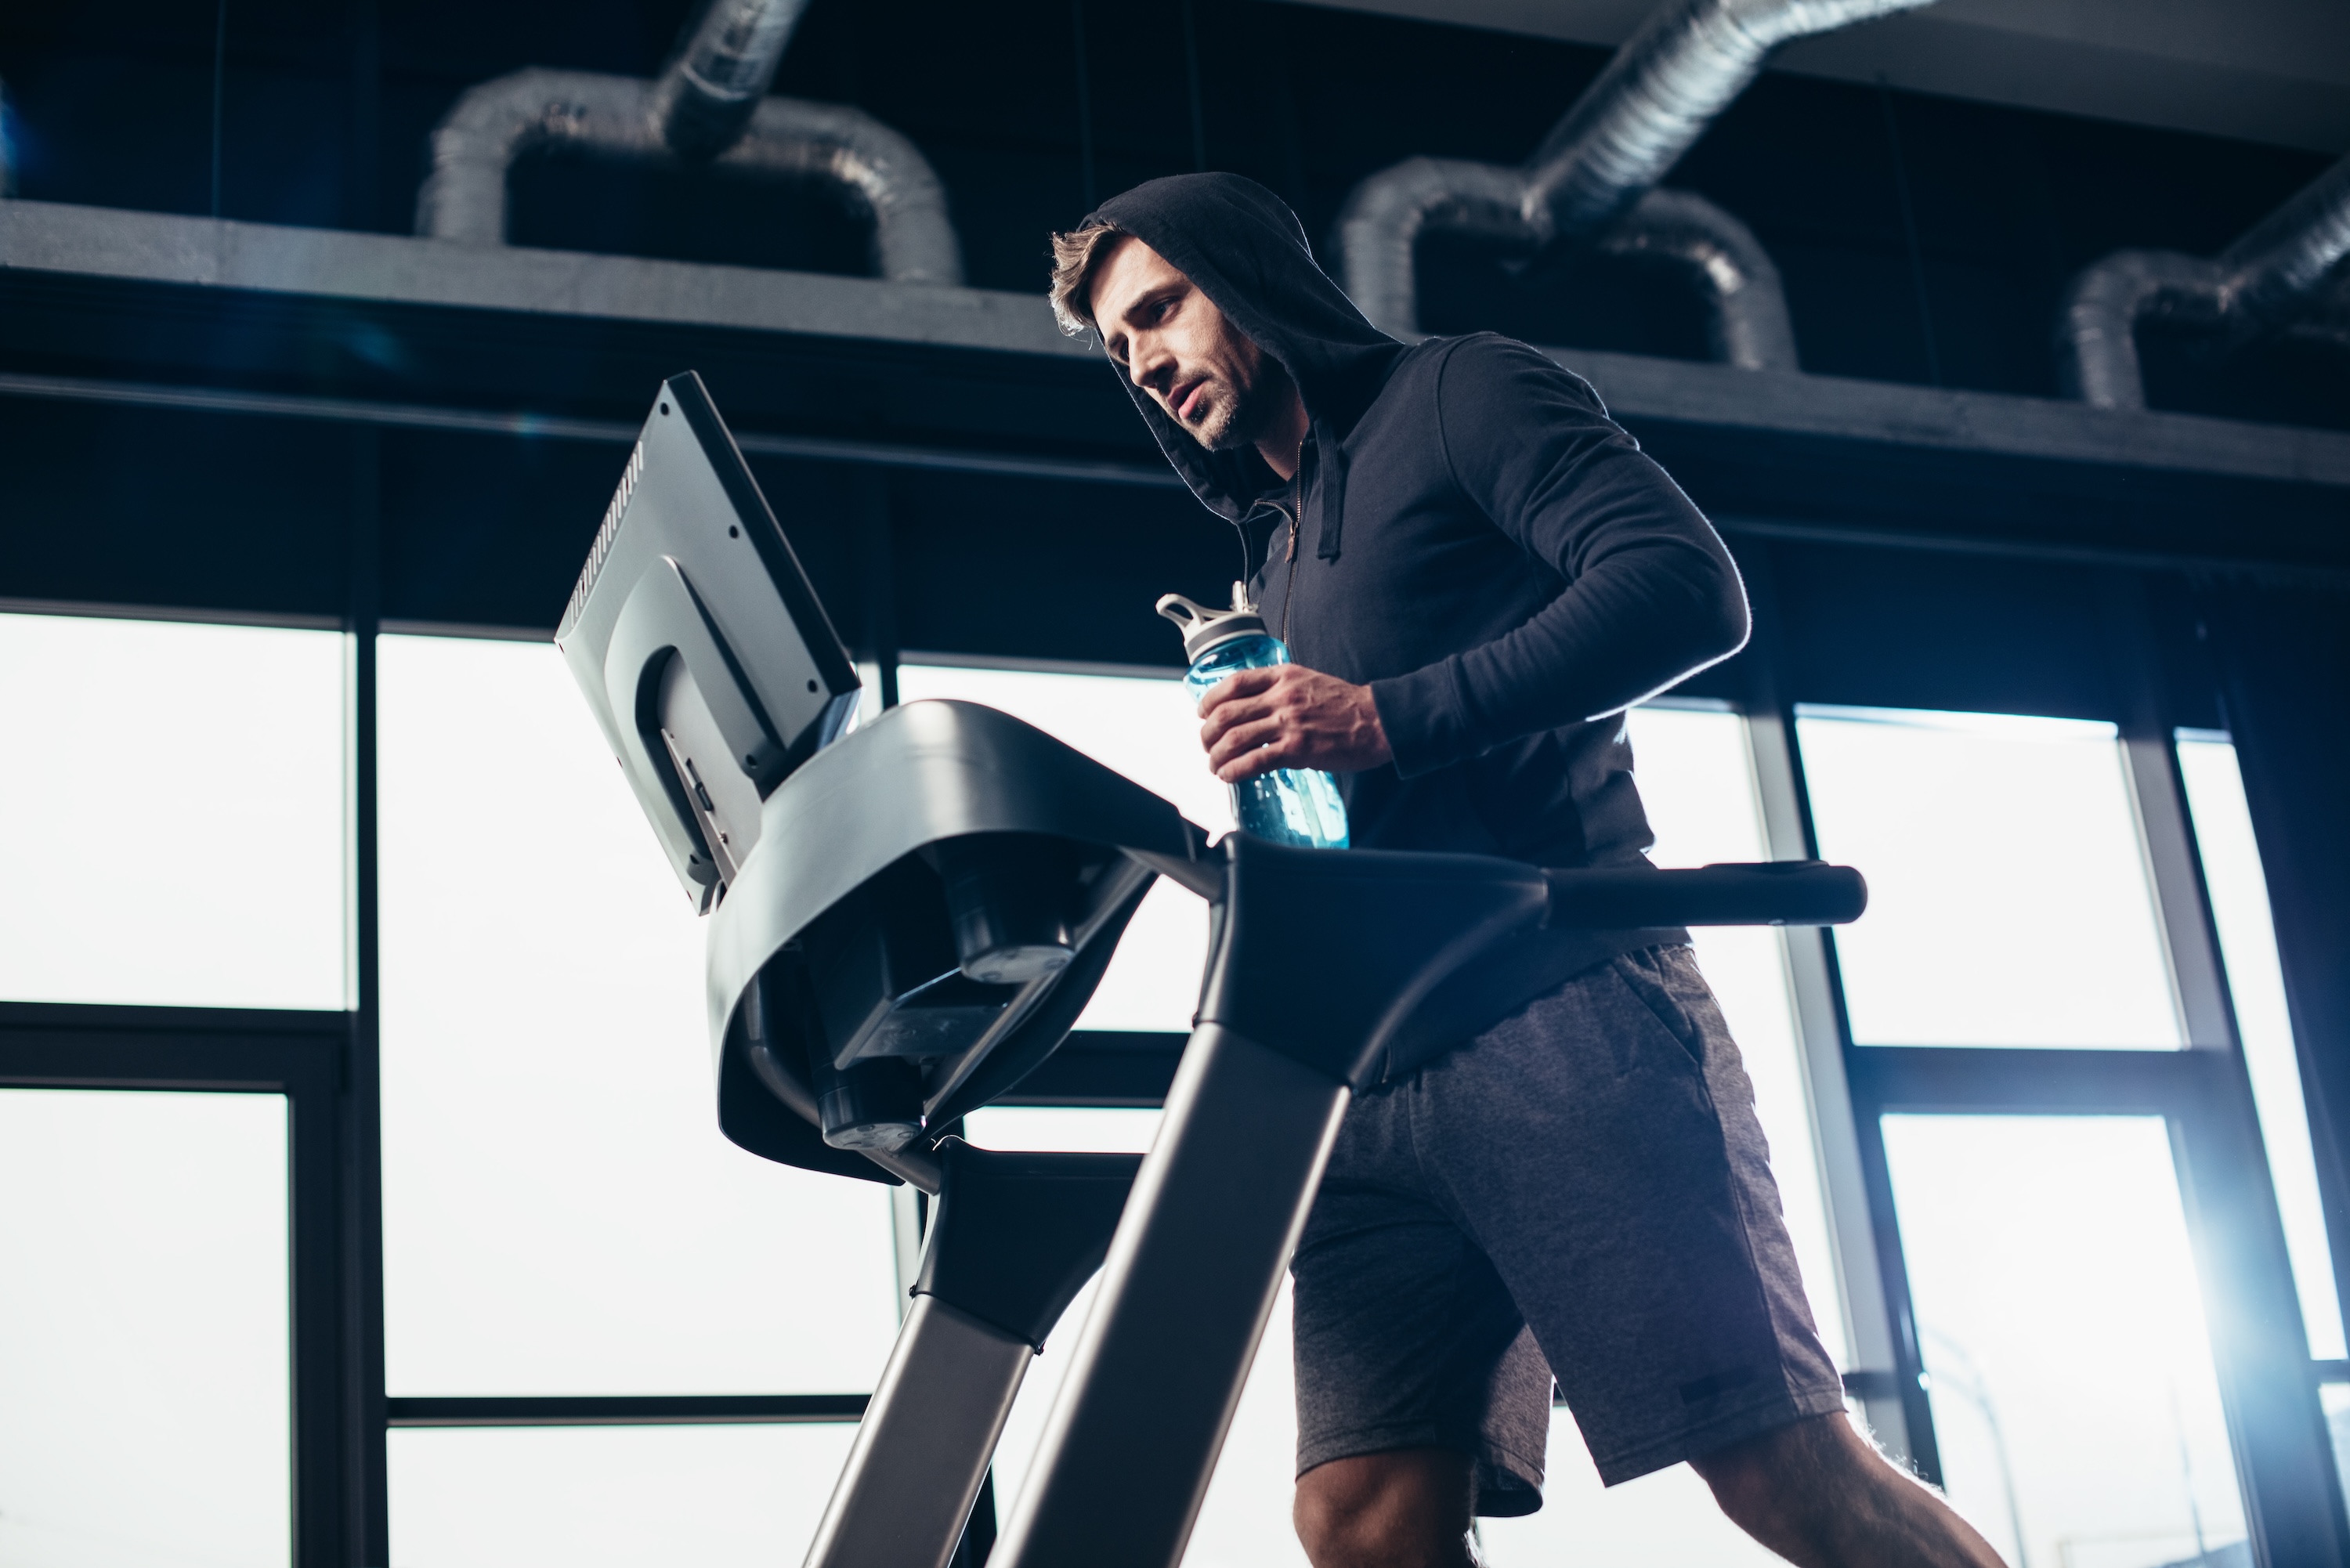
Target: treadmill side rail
925, 1445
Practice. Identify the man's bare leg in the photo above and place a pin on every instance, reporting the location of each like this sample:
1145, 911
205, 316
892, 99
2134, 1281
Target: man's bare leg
1819, 1495
1409, 1507
1813, 1492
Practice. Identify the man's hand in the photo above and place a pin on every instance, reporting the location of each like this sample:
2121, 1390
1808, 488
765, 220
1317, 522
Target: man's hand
1290, 717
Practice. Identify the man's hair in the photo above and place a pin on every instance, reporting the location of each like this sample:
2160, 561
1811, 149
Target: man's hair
1076, 255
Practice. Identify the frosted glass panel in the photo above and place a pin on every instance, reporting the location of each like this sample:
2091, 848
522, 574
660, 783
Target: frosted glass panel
1696, 774
145, 1347
561, 1213
2239, 908
2008, 896
1146, 728
610, 1497
1073, 1129
2075, 1401
171, 814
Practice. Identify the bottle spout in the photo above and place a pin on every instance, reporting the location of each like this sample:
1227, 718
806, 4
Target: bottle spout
1203, 628
1185, 613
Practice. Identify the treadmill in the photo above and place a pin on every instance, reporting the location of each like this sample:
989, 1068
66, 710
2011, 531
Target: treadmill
905, 919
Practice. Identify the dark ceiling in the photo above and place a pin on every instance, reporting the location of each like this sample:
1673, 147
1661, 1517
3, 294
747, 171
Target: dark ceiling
1922, 239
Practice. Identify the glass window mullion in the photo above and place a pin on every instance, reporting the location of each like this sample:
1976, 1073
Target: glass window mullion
1860, 1274
2186, 931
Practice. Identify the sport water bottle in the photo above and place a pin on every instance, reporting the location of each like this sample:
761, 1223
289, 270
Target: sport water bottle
1287, 805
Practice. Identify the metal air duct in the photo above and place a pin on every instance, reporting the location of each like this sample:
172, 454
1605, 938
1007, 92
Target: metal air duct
2275, 279
708, 106
705, 97
1593, 180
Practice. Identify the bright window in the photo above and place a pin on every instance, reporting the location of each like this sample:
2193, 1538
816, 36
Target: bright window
2239, 908
2075, 1403
561, 1213
1082, 1129
2009, 900
145, 1387
611, 1496
175, 803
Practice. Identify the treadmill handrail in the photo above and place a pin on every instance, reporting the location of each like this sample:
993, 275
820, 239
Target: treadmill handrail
1754, 893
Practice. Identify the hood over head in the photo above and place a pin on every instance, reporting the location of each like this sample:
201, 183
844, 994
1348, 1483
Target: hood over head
1247, 252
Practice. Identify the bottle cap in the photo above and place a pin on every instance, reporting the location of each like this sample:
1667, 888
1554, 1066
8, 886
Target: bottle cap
1203, 628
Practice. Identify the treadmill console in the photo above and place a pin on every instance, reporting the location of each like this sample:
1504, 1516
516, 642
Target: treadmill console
699, 643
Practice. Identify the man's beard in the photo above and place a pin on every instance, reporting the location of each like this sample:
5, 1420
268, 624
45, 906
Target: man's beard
1241, 414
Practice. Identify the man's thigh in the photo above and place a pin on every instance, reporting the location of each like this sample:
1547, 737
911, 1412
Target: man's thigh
1600, 1148
1405, 1336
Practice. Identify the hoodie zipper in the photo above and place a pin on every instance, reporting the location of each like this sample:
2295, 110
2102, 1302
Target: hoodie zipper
1293, 511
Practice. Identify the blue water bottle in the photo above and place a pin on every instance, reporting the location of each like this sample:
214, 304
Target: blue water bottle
1287, 805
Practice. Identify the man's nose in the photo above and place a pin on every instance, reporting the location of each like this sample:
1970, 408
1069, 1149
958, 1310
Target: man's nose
1151, 366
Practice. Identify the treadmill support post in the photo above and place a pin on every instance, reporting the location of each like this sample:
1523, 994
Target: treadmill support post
1015, 1238
1191, 1280
924, 1444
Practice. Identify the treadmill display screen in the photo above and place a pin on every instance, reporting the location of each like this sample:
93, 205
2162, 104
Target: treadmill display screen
699, 643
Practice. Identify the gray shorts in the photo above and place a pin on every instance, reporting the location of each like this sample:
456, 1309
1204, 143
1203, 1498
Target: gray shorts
1581, 1191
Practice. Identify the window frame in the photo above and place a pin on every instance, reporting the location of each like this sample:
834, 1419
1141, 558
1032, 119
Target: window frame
306, 1056
327, 1064
2269, 1385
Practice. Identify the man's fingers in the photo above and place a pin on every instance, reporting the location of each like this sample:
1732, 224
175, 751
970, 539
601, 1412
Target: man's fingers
1240, 684
1250, 764
1252, 743
1241, 708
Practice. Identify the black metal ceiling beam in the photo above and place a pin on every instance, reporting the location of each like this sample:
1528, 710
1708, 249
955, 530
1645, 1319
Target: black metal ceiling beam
556, 427
977, 327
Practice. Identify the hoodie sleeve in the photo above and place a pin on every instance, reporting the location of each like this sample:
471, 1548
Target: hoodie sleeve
1651, 595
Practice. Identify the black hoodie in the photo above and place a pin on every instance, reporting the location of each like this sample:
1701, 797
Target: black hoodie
1480, 544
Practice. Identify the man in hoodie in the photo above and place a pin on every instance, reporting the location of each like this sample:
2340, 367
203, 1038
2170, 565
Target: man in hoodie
1477, 572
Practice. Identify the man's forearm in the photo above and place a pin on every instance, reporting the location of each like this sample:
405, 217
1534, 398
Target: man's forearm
1629, 628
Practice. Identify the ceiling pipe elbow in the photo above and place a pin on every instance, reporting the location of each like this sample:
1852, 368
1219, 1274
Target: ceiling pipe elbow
2271, 280
2096, 338
878, 170
1747, 323
493, 126
1593, 179
704, 98
1379, 229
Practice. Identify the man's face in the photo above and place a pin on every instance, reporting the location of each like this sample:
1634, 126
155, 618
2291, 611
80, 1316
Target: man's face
1208, 374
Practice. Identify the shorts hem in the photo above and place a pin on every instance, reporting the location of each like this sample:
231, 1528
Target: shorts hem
1720, 1432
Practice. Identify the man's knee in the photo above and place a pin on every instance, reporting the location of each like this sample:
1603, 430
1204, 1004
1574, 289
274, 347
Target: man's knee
1409, 1507
1796, 1472
1793, 1470
1816, 1491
